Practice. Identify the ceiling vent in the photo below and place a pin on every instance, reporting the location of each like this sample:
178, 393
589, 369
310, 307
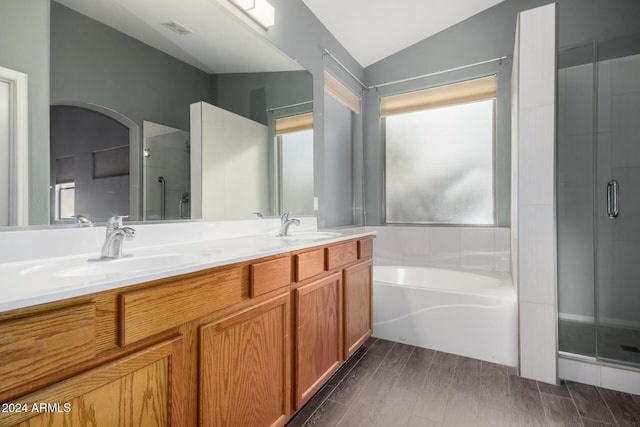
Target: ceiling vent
177, 28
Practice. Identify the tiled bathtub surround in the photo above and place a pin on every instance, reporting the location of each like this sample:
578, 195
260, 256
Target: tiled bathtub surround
485, 248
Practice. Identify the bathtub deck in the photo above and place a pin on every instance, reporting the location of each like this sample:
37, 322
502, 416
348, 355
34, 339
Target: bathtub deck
392, 384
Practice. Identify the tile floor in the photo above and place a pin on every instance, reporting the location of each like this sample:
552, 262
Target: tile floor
398, 385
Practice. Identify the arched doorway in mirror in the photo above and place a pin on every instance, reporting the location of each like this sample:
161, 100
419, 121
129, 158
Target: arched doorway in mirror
94, 163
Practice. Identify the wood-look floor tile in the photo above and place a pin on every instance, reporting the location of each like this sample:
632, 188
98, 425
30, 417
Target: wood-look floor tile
388, 384
397, 357
369, 343
432, 402
494, 383
310, 407
397, 408
415, 371
379, 386
360, 414
416, 421
589, 402
625, 408
484, 365
442, 367
462, 408
495, 412
526, 402
328, 414
355, 381
346, 368
380, 347
466, 378
560, 411
558, 390
587, 422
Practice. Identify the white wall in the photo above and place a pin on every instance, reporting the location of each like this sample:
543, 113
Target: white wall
229, 175
533, 207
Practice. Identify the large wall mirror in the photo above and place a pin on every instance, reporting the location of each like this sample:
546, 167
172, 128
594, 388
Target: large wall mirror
122, 78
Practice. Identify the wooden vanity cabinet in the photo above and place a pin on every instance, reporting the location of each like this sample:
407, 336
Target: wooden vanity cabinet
245, 344
318, 348
332, 311
358, 309
142, 389
245, 367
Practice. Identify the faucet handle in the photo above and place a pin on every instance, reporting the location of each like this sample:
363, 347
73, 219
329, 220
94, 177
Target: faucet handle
115, 222
82, 220
285, 217
129, 233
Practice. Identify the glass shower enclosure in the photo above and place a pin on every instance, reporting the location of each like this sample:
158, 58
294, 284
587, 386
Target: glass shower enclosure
598, 194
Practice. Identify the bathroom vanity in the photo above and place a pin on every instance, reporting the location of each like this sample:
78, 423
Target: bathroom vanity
240, 344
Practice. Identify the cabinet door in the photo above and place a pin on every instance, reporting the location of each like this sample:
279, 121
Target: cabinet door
318, 321
143, 389
358, 323
245, 367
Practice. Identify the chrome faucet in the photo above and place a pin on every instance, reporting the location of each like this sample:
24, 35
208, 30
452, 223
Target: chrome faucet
116, 234
82, 220
285, 222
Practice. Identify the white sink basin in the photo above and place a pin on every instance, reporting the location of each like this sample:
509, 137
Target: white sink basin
130, 264
310, 235
125, 265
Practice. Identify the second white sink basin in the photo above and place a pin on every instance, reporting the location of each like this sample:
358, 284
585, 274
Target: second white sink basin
310, 235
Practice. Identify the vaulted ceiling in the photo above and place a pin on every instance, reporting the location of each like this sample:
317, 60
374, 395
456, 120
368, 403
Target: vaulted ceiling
374, 29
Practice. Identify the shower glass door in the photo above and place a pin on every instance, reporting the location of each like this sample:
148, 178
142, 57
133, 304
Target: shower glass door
598, 193
618, 200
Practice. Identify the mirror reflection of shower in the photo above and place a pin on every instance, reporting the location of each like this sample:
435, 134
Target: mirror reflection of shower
166, 179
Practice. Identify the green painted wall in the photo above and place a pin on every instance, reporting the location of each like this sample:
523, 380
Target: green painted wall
93, 63
24, 47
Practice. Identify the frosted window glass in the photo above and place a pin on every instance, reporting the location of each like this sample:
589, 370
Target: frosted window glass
439, 165
296, 172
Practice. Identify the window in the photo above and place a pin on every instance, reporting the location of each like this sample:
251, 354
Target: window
440, 154
294, 138
65, 200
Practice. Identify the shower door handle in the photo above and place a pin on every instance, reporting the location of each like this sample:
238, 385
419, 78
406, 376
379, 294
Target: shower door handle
163, 194
612, 199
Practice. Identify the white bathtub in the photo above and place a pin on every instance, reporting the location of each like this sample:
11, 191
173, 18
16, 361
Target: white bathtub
467, 313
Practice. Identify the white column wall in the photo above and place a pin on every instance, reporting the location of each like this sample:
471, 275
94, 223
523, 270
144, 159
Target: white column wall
229, 167
533, 204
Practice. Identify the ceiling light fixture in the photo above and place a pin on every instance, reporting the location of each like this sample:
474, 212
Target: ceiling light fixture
260, 11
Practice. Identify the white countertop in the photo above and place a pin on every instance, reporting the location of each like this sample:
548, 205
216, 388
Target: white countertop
37, 281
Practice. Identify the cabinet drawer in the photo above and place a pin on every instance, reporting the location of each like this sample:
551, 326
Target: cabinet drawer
340, 255
153, 310
269, 275
365, 248
37, 346
309, 264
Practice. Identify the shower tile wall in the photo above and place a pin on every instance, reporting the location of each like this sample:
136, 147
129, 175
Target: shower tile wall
485, 248
169, 158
